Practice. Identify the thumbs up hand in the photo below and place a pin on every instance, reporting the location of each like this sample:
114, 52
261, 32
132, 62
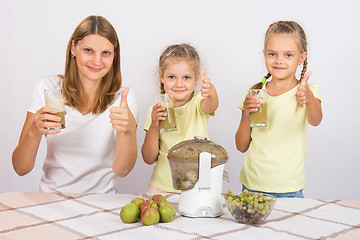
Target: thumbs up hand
205, 84
304, 94
123, 100
121, 117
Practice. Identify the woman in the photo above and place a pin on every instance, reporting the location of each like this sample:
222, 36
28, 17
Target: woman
99, 141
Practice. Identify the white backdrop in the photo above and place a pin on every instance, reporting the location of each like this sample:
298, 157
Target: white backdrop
229, 38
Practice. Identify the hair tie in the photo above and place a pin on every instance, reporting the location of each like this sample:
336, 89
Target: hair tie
263, 80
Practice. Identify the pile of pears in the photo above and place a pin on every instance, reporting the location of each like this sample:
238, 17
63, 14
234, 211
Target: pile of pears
150, 211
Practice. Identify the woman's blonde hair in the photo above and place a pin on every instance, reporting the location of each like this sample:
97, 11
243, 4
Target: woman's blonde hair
179, 52
110, 84
287, 27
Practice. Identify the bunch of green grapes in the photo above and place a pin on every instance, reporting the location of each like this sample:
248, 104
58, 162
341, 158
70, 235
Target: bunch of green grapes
249, 208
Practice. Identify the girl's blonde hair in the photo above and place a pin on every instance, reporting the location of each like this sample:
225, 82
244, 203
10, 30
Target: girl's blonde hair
110, 84
178, 52
287, 27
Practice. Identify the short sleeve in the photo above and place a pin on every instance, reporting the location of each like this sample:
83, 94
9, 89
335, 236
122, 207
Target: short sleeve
133, 104
148, 119
131, 101
241, 104
197, 98
315, 88
38, 98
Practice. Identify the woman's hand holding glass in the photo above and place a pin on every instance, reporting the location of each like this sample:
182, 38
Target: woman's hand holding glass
45, 118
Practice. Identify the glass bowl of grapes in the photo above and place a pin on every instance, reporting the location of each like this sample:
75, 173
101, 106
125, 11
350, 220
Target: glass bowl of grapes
248, 207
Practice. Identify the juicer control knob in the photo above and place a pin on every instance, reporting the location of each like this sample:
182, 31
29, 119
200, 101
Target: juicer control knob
203, 213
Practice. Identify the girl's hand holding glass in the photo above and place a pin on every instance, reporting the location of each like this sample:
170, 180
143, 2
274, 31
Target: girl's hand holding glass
251, 104
158, 113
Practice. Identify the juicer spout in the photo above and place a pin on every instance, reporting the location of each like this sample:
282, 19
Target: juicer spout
204, 170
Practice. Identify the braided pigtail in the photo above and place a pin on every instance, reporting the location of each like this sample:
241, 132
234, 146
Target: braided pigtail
303, 70
267, 76
263, 81
162, 88
301, 78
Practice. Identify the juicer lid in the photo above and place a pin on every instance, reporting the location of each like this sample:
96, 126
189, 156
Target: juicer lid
189, 151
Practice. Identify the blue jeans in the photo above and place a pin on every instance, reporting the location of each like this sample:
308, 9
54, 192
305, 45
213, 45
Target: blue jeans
297, 194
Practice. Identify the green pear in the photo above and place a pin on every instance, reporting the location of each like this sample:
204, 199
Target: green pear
130, 213
147, 203
159, 199
138, 201
150, 215
167, 212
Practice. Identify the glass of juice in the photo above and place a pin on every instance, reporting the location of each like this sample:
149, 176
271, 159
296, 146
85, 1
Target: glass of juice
259, 118
54, 99
169, 124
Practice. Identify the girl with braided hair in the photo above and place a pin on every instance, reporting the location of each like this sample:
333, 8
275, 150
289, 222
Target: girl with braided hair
275, 157
179, 72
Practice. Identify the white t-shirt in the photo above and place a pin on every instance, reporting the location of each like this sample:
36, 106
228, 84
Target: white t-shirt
80, 157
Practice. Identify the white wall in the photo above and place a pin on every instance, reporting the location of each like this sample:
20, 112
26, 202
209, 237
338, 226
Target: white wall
229, 37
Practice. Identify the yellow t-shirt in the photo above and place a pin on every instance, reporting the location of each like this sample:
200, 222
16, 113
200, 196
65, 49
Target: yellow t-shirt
191, 121
276, 155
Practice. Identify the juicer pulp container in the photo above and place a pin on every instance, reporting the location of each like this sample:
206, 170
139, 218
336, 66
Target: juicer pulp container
197, 167
184, 160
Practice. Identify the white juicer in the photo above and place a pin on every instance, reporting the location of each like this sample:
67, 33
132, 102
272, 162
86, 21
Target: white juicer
197, 167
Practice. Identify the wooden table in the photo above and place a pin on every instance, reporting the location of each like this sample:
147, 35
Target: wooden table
96, 216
